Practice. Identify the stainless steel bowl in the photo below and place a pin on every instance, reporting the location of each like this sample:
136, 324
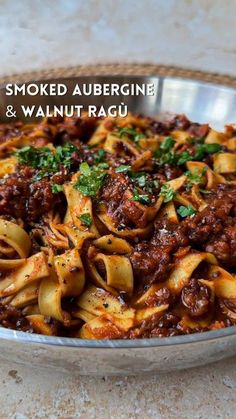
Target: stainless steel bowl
201, 102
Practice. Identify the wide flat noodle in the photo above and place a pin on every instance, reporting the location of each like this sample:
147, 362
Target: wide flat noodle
34, 268
224, 282
184, 268
224, 163
7, 165
78, 205
50, 295
70, 273
119, 273
15, 236
113, 244
99, 302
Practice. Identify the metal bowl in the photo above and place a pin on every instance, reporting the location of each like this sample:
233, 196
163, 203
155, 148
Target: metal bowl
201, 102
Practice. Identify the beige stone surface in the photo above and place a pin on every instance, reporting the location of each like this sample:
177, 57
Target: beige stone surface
199, 393
49, 33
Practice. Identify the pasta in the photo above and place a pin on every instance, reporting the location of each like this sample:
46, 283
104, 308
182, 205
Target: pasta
117, 228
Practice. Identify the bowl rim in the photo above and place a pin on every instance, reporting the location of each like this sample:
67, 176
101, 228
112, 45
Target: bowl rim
194, 338
33, 338
125, 76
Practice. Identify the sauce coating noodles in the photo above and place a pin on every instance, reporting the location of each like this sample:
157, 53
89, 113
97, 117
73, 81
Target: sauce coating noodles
117, 228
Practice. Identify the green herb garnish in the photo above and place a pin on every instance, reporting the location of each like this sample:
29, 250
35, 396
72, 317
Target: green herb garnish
186, 211
103, 165
196, 140
204, 191
167, 192
167, 144
165, 154
45, 159
34, 157
56, 188
183, 157
86, 219
123, 169
63, 155
99, 156
90, 180
142, 180
195, 177
165, 158
143, 198
203, 149
134, 135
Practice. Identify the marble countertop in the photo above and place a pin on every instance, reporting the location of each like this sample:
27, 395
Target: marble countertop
200, 393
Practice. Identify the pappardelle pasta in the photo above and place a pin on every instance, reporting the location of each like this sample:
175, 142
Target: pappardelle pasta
117, 228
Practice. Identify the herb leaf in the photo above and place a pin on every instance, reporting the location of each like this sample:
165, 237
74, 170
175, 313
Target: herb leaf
204, 191
195, 177
143, 198
90, 180
165, 154
86, 219
123, 168
186, 211
46, 159
56, 188
167, 192
63, 154
142, 180
183, 157
99, 156
34, 157
167, 143
135, 136
203, 149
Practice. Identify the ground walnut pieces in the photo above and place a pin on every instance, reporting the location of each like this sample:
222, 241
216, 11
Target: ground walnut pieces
196, 297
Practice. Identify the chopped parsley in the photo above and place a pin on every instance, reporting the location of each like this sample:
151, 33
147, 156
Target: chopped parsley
99, 156
103, 165
90, 180
204, 191
56, 188
123, 169
186, 211
34, 157
196, 140
203, 149
183, 157
165, 154
143, 198
134, 135
139, 179
195, 177
167, 144
86, 219
200, 152
45, 159
142, 180
167, 192
63, 154
166, 158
